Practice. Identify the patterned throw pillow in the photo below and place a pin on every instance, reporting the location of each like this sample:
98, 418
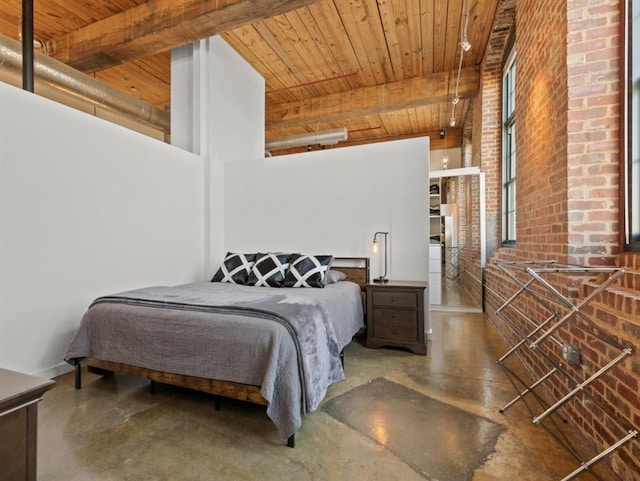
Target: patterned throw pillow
269, 270
307, 271
235, 268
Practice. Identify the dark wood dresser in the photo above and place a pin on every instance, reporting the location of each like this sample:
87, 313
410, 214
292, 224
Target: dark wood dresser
19, 397
395, 315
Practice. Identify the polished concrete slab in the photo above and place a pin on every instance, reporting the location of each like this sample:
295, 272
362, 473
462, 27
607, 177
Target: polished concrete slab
387, 412
455, 297
115, 429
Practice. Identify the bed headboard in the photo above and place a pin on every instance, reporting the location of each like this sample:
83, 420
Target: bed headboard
356, 269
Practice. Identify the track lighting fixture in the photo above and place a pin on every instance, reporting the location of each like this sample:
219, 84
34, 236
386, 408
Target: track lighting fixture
465, 44
445, 155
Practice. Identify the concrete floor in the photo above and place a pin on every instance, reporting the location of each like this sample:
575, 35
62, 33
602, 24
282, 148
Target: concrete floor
114, 429
454, 296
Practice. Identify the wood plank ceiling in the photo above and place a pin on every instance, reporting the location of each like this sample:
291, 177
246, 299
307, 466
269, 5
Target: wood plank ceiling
384, 69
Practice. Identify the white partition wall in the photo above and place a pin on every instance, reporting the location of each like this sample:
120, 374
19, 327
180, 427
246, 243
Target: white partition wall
217, 102
333, 201
86, 208
217, 111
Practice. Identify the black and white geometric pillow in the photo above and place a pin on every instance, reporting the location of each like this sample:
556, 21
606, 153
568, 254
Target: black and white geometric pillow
307, 271
269, 270
235, 268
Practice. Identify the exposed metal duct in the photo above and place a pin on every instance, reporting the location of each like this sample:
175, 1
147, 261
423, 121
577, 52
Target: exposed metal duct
323, 137
63, 78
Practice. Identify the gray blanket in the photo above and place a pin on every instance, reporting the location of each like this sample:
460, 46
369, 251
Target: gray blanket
281, 339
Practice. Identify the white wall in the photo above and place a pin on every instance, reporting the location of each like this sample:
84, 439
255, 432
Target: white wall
44, 90
217, 111
237, 99
86, 208
217, 102
332, 201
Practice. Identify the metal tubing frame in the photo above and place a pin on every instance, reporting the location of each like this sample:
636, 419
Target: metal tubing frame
527, 390
525, 338
582, 385
630, 435
524, 287
559, 436
574, 310
615, 273
557, 366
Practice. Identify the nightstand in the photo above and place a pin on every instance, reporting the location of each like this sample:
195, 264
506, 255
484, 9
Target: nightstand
19, 397
395, 315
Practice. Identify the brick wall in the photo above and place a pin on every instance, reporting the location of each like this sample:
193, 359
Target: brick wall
541, 127
487, 145
567, 117
465, 192
593, 117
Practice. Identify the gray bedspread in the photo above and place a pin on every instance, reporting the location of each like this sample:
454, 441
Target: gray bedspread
287, 341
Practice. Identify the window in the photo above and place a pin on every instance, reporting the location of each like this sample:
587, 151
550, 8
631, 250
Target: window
509, 151
632, 144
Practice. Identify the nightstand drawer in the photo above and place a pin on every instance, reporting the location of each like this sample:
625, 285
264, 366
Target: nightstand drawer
398, 316
395, 299
395, 331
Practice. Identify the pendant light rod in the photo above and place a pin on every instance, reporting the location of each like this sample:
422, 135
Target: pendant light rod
27, 46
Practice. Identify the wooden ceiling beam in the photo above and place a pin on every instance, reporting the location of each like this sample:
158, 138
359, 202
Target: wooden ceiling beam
157, 26
389, 97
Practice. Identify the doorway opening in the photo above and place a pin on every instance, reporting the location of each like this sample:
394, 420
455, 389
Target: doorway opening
457, 246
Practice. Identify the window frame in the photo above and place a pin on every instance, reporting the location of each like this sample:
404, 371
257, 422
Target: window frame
630, 132
509, 151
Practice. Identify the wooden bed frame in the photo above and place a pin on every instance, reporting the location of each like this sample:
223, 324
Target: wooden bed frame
356, 269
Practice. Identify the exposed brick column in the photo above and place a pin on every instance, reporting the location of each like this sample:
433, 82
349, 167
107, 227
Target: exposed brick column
488, 147
487, 121
541, 129
593, 128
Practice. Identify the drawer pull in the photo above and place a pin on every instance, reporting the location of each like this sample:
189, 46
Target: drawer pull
395, 332
394, 299
394, 315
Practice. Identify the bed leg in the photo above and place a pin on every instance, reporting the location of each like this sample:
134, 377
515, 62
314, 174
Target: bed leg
153, 387
78, 375
291, 441
216, 403
342, 358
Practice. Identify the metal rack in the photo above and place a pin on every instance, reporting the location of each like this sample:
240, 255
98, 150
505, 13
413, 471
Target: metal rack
535, 281
452, 265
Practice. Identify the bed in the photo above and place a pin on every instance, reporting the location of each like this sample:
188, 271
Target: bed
278, 347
